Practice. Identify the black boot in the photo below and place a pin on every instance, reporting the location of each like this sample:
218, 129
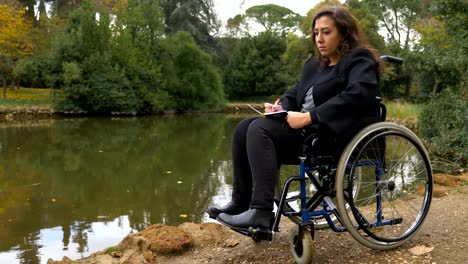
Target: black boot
255, 218
231, 208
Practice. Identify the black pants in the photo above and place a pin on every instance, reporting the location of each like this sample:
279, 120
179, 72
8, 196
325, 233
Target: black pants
260, 145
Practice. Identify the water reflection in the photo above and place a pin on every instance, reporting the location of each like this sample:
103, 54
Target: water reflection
72, 187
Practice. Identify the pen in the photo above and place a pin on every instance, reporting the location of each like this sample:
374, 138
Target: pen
276, 102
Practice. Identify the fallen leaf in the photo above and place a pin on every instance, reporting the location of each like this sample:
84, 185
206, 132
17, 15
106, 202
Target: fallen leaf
183, 215
421, 250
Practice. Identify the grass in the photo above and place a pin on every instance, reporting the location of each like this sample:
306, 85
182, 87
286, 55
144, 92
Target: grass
25, 97
402, 110
111, 249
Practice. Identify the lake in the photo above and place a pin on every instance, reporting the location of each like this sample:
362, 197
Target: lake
70, 187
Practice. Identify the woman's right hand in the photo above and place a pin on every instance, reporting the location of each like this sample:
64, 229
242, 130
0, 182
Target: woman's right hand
272, 107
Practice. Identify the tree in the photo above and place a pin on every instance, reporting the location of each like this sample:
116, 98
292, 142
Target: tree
274, 18
434, 55
454, 15
237, 27
194, 16
398, 18
369, 24
15, 40
306, 23
64, 8
298, 50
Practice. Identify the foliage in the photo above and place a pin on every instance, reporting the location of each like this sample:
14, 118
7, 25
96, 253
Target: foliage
297, 52
191, 80
14, 32
440, 56
127, 49
392, 81
444, 124
103, 74
435, 56
237, 27
398, 18
255, 67
369, 23
15, 40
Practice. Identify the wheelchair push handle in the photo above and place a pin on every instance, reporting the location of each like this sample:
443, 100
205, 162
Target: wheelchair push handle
391, 59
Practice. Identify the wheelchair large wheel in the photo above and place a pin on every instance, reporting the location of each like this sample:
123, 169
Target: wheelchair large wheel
394, 185
302, 245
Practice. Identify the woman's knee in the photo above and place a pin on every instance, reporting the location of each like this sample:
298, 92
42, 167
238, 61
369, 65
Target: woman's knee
261, 126
242, 127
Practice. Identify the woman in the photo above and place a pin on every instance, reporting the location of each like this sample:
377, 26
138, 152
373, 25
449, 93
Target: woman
337, 89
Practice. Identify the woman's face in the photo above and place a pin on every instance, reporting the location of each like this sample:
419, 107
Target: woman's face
327, 38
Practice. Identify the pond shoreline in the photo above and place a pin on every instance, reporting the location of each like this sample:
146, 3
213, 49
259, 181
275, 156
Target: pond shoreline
47, 112
21, 113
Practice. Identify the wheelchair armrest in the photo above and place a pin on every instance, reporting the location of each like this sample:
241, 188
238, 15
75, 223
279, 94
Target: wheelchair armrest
315, 151
310, 144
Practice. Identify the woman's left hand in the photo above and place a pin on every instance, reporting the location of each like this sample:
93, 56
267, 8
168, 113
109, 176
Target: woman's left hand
298, 120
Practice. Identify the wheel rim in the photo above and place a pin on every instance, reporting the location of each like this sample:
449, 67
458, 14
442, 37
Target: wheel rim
393, 192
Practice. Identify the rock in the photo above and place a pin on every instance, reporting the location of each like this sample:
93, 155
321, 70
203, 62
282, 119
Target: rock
164, 239
135, 256
65, 260
440, 191
231, 243
204, 234
421, 250
446, 180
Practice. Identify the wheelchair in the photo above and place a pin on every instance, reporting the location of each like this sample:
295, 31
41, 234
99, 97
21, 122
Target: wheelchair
379, 189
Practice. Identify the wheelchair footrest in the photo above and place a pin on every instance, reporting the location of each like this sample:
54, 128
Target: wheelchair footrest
256, 234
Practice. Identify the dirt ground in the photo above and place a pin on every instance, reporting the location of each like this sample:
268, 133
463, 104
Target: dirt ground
442, 239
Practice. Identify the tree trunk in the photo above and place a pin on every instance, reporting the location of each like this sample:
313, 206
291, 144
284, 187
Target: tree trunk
435, 87
408, 85
4, 89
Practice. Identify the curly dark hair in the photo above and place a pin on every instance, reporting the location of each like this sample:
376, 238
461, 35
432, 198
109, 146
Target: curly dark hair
350, 32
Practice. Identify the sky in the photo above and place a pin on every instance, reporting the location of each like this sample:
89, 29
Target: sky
230, 8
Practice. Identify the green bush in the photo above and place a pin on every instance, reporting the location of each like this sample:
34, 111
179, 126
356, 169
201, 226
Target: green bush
444, 124
98, 71
255, 67
191, 80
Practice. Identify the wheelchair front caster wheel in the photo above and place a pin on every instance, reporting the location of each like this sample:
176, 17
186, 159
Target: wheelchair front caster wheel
302, 245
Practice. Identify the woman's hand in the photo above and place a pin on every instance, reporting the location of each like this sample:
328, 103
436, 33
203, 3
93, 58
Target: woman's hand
272, 107
298, 120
